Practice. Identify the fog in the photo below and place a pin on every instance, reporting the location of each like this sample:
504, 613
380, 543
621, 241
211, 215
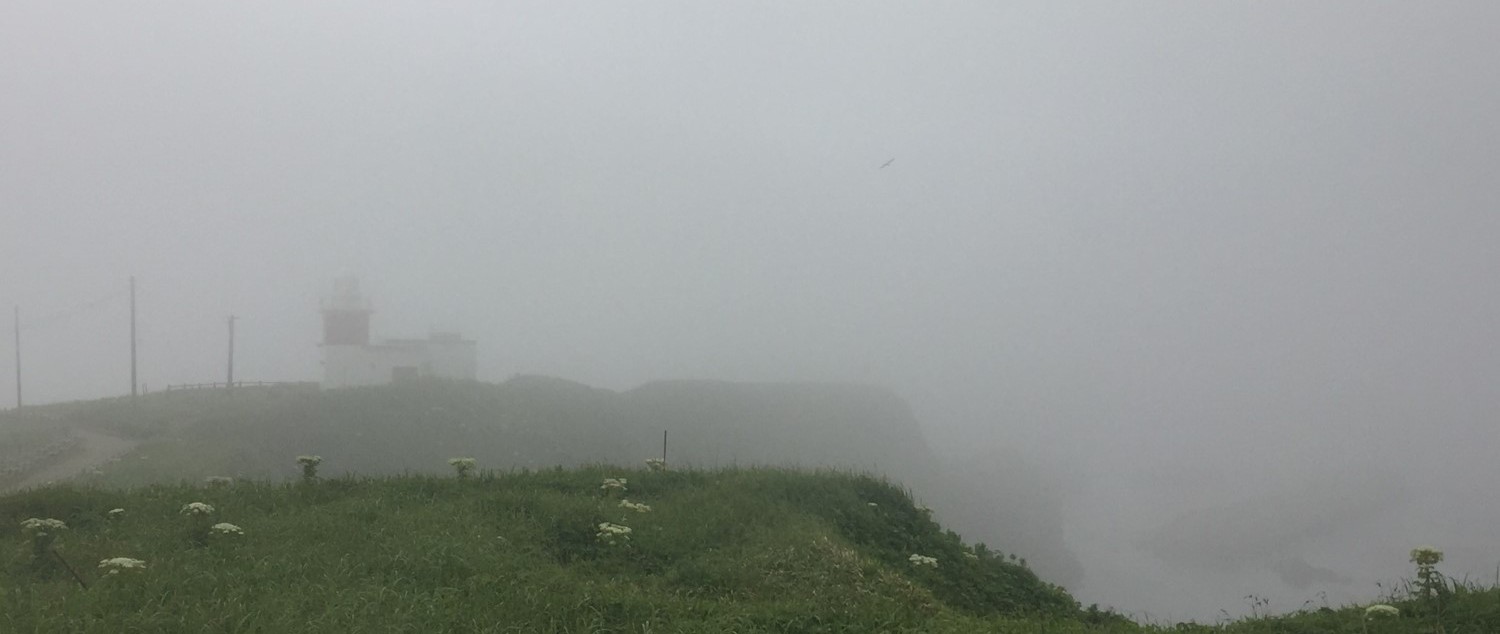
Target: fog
1222, 272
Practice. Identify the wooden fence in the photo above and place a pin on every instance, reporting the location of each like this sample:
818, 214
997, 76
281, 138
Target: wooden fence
224, 386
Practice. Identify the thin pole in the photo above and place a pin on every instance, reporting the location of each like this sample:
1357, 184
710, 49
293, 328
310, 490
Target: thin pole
230, 381
133, 383
664, 446
18, 357
70, 568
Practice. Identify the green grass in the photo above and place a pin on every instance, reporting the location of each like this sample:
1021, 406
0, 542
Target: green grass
720, 551
735, 550
410, 548
1463, 608
537, 422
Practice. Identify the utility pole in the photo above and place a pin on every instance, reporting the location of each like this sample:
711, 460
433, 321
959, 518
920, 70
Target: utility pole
18, 358
133, 383
230, 381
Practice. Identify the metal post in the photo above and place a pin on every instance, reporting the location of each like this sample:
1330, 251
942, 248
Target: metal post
18, 357
133, 383
230, 382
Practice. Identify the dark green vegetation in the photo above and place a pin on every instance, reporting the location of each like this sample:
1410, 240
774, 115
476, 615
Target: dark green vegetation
719, 551
740, 550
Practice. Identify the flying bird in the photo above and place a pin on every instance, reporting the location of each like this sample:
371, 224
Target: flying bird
887, 164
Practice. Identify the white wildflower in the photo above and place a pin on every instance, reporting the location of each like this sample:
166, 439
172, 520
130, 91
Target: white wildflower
43, 525
463, 465
197, 509
613, 484
1426, 556
1428, 578
309, 466
116, 564
923, 560
225, 528
969, 555
871, 504
1381, 610
613, 533
115, 514
635, 506
656, 464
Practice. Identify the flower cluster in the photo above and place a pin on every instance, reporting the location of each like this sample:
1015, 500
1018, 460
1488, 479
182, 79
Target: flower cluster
613, 533
657, 464
43, 533
613, 484
114, 565
1381, 610
635, 506
922, 560
115, 514
197, 509
1426, 556
218, 481
969, 555
464, 466
43, 525
225, 528
309, 466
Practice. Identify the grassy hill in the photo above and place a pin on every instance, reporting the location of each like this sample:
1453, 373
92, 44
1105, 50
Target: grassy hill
718, 551
734, 550
535, 422
389, 540
527, 422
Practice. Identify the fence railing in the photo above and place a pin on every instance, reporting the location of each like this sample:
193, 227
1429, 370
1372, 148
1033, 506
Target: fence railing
236, 384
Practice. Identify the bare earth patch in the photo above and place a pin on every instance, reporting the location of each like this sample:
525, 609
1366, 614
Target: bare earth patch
97, 449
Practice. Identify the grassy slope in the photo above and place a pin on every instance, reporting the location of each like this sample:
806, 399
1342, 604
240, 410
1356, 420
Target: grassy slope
721, 551
530, 422
526, 423
537, 422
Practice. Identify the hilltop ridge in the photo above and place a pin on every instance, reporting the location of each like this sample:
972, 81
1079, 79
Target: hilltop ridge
533, 421
759, 550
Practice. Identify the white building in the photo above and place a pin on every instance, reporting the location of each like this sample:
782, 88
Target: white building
349, 359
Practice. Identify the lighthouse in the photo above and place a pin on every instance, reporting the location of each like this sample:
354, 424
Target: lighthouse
346, 314
350, 359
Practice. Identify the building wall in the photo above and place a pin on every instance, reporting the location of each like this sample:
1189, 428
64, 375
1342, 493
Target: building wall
349, 366
455, 359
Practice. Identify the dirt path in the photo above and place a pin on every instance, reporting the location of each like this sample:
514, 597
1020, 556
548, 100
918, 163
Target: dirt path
97, 449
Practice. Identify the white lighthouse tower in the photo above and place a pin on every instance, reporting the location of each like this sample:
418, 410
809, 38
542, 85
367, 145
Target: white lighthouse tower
346, 314
346, 337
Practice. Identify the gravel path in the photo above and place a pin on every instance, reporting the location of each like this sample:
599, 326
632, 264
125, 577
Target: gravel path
97, 449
